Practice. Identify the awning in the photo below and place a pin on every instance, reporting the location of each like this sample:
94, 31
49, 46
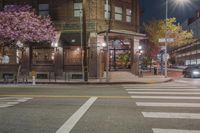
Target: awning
125, 32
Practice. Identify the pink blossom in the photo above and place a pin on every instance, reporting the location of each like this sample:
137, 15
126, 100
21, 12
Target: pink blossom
20, 23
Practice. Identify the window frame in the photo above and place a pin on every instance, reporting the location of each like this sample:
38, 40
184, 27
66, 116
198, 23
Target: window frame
107, 16
118, 13
77, 8
43, 11
129, 15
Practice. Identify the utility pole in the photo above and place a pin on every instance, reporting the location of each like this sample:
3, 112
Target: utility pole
107, 39
166, 36
81, 34
85, 56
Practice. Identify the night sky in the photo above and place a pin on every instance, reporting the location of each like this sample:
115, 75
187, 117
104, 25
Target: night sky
155, 9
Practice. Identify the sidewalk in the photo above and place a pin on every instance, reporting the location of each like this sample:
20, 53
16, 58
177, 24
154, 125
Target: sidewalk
128, 77
117, 77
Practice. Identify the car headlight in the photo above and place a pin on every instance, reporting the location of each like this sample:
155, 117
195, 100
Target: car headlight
195, 72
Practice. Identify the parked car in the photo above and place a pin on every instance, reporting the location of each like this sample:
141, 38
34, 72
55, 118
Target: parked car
192, 71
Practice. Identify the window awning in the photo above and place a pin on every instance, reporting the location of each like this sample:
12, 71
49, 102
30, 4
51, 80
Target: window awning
125, 32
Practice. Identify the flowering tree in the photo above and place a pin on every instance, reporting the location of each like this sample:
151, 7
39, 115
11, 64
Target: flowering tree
19, 24
156, 29
151, 53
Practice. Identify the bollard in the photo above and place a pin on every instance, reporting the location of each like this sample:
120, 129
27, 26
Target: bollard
155, 70
33, 80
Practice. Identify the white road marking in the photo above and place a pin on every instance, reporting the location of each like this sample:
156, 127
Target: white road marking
159, 104
165, 97
11, 101
159, 87
5, 98
162, 89
171, 93
5, 106
71, 122
157, 130
171, 115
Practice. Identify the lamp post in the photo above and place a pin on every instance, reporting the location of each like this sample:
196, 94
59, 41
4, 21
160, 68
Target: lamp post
166, 34
84, 41
166, 17
107, 38
81, 37
139, 52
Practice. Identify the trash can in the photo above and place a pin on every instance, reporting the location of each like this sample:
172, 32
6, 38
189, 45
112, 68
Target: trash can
155, 70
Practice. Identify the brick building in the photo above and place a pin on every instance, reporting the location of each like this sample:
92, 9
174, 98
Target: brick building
65, 58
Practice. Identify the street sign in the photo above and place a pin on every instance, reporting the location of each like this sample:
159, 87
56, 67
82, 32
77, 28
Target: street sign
166, 40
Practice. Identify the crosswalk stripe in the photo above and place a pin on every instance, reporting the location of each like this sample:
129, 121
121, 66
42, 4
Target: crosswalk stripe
159, 87
171, 115
11, 101
157, 130
5, 106
164, 97
159, 104
5, 98
162, 89
177, 93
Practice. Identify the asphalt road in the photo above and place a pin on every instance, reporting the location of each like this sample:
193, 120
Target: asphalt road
161, 108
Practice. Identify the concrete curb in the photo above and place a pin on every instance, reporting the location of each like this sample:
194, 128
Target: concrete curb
97, 83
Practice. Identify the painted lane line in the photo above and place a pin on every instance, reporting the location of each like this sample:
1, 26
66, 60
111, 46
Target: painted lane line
171, 115
71, 122
157, 130
171, 93
159, 104
165, 97
162, 89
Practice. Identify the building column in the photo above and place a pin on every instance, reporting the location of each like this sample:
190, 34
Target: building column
58, 63
26, 61
134, 56
93, 56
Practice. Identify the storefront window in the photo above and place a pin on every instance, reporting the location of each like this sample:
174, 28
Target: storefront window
7, 55
43, 56
72, 56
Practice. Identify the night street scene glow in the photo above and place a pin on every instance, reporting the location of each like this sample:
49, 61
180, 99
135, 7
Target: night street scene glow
99, 66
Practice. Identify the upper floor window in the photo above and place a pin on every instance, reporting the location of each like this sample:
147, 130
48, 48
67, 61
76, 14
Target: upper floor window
43, 9
107, 11
1, 6
128, 15
78, 9
118, 13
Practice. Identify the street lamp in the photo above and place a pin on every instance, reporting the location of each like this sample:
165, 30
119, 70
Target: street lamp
166, 35
139, 53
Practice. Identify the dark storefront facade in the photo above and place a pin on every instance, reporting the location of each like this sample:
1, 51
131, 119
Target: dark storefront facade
64, 60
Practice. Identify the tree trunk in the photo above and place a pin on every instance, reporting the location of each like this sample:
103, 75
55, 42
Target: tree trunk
18, 72
150, 65
20, 64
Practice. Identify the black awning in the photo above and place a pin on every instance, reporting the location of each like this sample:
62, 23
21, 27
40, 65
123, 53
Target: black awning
71, 38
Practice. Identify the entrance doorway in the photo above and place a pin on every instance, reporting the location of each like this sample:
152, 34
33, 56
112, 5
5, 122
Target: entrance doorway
119, 59
120, 55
